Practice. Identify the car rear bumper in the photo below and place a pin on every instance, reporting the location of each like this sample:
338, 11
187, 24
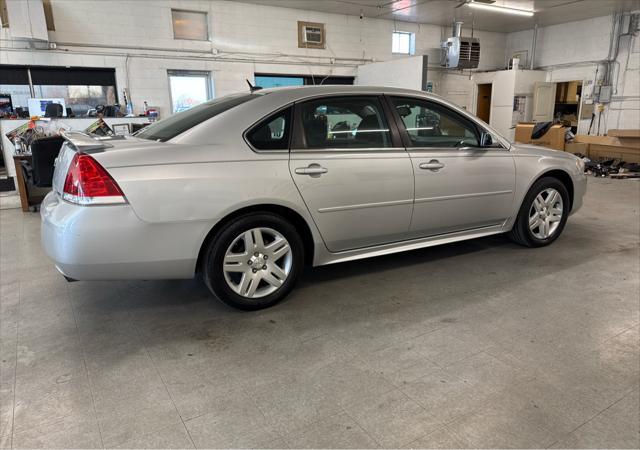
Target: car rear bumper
111, 242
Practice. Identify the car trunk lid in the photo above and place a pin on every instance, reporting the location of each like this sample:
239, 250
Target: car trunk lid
76, 142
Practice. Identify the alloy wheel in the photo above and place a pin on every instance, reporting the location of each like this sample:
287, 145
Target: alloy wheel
545, 214
257, 262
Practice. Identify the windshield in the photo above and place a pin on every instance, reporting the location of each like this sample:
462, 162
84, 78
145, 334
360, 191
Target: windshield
180, 122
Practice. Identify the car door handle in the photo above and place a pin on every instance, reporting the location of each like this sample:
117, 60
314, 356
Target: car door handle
433, 165
314, 170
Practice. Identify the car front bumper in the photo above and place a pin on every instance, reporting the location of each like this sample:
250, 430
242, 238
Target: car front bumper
579, 191
112, 243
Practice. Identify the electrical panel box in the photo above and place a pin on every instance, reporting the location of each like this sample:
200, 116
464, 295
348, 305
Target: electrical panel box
605, 94
602, 94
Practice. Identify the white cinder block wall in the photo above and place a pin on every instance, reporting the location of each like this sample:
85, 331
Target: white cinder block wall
575, 51
136, 38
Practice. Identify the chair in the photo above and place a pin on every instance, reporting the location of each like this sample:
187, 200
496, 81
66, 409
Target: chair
53, 110
44, 151
21, 112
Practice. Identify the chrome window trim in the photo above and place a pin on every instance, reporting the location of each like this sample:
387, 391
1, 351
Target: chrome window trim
349, 150
458, 150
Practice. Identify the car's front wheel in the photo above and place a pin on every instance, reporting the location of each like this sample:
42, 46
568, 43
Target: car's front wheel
254, 261
543, 214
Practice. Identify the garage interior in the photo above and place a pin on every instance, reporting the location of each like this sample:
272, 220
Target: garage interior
475, 344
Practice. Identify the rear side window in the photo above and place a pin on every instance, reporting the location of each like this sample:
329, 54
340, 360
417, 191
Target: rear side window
185, 120
345, 122
273, 132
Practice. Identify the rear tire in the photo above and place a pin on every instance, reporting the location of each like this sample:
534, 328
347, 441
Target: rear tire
543, 214
254, 261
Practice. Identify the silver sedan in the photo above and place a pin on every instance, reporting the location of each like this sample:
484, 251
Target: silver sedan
248, 188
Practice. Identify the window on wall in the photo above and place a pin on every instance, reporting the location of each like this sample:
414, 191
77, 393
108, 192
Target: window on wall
274, 80
48, 14
81, 88
188, 89
403, 42
190, 25
4, 14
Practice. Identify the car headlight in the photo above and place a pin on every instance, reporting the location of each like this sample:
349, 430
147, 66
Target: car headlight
580, 165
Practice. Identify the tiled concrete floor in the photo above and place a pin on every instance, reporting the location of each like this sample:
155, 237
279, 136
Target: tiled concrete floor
476, 344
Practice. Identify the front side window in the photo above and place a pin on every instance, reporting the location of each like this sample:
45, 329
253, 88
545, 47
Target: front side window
345, 122
179, 123
429, 124
272, 133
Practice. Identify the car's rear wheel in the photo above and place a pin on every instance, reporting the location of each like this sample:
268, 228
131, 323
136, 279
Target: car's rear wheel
543, 214
254, 261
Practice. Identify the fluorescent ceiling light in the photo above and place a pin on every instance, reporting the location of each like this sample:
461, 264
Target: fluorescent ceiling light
502, 9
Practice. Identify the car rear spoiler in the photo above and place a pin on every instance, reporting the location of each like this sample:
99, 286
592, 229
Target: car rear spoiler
84, 143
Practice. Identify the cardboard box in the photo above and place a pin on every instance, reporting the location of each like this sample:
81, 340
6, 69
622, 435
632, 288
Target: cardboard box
576, 147
523, 133
628, 138
624, 133
598, 152
601, 140
553, 138
612, 139
620, 144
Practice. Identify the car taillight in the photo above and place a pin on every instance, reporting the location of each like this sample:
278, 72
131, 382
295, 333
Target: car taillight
88, 183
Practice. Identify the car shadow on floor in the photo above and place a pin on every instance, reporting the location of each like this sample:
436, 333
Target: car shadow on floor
412, 291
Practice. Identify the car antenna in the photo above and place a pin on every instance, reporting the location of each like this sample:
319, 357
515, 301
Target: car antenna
253, 88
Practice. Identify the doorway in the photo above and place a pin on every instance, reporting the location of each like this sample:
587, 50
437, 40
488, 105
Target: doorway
483, 104
559, 102
567, 103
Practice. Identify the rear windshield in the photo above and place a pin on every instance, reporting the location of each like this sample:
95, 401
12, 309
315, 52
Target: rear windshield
183, 121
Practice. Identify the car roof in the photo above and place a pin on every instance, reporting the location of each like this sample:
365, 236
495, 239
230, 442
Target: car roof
293, 93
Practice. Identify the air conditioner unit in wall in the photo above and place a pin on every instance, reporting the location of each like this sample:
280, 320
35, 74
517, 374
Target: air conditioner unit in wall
311, 35
460, 52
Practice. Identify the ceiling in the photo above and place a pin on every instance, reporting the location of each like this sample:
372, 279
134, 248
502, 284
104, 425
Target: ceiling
442, 12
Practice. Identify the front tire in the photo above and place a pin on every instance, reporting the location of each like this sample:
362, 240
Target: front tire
254, 261
543, 214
